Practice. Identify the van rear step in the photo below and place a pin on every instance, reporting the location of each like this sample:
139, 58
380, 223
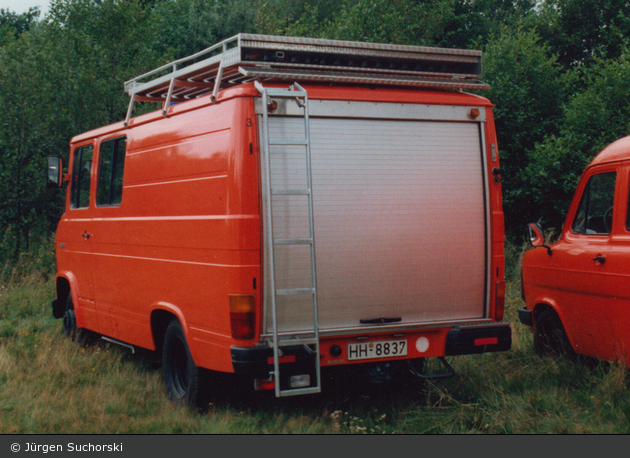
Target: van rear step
450, 372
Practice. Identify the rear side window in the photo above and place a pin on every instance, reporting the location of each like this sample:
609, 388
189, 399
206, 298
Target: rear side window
81, 177
594, 215
110, 172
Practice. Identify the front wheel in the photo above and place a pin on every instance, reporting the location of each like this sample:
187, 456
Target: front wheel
183, 379
70, 328
69, 320
550, 338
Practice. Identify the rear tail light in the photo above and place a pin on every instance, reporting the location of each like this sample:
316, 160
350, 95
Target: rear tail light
264, 384
486, 341
499, 302
242, 316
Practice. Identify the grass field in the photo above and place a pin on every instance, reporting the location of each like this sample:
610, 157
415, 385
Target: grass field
51, 385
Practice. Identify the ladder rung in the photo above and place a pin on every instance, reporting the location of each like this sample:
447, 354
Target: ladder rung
294, 291
286, 93
289, 142
298, 341
290, 192
306, 241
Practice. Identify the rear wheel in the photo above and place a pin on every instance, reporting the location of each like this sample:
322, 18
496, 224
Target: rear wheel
550, 338
183, 379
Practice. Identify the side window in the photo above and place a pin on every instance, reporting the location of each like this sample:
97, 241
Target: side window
594, 215
110, 172
81, 176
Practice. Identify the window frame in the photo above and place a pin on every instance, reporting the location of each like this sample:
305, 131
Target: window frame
78, 174
116, 165
586, 194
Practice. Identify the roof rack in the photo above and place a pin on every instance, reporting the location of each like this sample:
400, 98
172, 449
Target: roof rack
248, 57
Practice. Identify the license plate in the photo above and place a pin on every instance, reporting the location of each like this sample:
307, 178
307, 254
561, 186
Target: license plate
380, 349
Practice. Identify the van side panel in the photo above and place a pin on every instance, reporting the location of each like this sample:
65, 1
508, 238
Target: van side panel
162, 249
497, 221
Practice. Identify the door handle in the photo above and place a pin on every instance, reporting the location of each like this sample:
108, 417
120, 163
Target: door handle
86, 235
600, 259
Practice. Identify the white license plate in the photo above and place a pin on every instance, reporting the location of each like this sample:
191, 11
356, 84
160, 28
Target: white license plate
379, 349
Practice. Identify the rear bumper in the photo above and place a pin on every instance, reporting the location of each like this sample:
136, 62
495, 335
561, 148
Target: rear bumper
478, 339
460, 340
258, 361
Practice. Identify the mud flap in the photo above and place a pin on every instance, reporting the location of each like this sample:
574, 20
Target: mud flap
58, 308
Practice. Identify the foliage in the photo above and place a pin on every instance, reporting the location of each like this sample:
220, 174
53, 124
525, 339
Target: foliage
61, 77
526, 78
188, 26
558, 71
12, 24
593, 118
25, 137
582, 30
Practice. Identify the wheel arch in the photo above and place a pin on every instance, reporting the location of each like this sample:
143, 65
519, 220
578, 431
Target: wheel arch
550, 306
66, 285
161, 315
62, 289
543, 307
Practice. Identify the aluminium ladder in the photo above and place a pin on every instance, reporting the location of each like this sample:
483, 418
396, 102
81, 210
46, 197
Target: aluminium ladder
279, 338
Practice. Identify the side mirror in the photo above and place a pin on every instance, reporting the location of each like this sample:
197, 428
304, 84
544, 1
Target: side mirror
55, 172
536, 236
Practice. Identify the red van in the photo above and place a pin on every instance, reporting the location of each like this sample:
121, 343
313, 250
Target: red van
296, 205
577, 291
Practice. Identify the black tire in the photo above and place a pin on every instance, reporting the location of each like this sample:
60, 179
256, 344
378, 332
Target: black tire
550, 339
70, 328
184, 380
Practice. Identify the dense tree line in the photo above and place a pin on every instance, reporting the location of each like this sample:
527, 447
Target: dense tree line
559, 72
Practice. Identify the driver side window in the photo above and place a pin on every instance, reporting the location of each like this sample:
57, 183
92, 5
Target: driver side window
594, 215
81, 176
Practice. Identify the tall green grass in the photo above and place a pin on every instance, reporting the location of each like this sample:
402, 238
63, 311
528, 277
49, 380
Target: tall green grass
51, 385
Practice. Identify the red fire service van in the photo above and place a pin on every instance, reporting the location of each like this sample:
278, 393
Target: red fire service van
576, 291
296, 205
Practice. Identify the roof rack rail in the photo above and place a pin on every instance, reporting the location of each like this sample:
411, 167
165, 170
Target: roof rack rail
248, 57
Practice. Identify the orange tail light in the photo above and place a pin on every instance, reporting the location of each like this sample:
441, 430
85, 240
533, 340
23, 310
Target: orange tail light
242, 316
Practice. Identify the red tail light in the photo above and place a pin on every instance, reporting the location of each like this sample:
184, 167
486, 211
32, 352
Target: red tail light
264, 384
242, 316
499, 300
486, 341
